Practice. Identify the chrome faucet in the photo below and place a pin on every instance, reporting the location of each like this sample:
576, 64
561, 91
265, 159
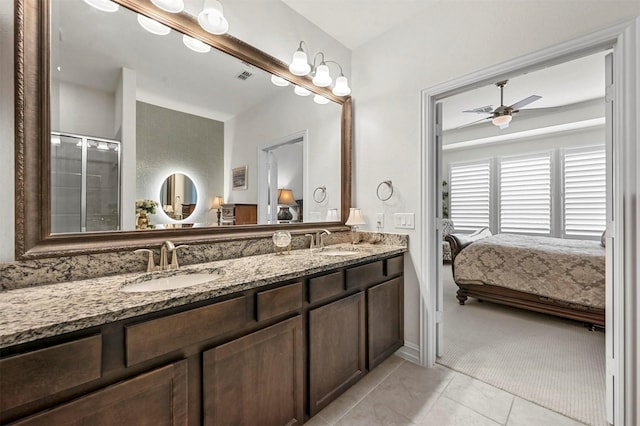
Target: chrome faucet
320, 237
169, 248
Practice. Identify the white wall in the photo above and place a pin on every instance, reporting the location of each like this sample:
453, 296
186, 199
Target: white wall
449, 40
86, 111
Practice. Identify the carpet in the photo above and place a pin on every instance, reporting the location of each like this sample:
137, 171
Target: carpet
556, 363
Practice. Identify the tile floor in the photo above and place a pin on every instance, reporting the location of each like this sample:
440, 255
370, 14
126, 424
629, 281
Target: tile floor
401, 393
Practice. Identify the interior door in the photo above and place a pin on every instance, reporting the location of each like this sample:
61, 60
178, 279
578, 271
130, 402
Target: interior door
439, 271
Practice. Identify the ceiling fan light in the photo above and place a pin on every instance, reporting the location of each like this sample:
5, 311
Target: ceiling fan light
299, 64
153, 26
171, 6
342, 87
501, 120
103, 5
279, 81
195, 44
322, 78
320, 100
301, 91
212, 19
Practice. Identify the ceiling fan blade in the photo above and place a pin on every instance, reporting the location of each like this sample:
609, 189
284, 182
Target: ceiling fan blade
474, 122
537, 110
482, 110
525, 101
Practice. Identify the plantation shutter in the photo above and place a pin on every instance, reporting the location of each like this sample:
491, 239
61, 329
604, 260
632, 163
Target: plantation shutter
585, 204
525, 194
470, 195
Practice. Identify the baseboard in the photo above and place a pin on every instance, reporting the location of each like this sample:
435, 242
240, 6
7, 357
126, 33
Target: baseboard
409, 352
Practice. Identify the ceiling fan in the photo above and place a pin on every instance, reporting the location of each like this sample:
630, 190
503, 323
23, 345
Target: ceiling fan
502, 115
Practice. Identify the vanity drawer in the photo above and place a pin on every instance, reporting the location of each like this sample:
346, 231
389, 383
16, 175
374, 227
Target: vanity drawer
368, 274
160, 336
325, 286
54, 369
279, 301
395, 266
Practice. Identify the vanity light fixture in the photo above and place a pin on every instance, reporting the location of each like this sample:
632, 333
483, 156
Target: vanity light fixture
171, 6
153, 26
195, 44
299, 64
502, 120
321, 76
301, 91
354, 220
279, 81
212, 19
321, 100
103, 5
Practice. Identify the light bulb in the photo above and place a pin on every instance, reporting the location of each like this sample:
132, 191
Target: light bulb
299, 64
103, 5
501, 120
301, 91
322, 77
153, 26
320, 100
195, 44
171, 6
279, 81
212, 19
342, 87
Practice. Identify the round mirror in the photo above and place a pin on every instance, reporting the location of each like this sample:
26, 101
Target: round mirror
178, 196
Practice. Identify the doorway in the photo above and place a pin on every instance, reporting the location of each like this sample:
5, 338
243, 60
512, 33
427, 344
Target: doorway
621, 40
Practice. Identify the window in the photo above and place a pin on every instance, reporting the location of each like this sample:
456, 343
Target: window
470, 195
525, 194
584, 192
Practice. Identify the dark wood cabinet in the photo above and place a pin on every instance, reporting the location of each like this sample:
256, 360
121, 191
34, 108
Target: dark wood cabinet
385, 320
257, 379
155, 398
336, 349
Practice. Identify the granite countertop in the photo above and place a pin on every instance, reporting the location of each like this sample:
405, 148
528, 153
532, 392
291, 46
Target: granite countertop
34, 313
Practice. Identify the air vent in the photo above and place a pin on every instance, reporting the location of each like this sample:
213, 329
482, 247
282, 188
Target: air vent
244, 75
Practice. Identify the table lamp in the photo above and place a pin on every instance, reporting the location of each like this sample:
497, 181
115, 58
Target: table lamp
355, 218
217, 205
285, 199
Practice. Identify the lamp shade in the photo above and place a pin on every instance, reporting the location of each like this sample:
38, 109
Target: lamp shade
217, 202
212, 19
322, 78
279, 81
299, 64
195, 44
319, 99
342, 86
171, 6
355, 217
301, 91
153, 26
103, 5
501, 120
285, 197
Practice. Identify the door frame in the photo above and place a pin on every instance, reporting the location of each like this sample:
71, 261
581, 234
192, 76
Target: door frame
624, 39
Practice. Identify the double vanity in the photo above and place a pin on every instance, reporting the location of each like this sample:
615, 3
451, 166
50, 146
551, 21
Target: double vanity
262, 339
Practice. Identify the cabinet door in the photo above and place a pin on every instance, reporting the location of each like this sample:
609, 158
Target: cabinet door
336, 349
385, 319
155, 398
256, 379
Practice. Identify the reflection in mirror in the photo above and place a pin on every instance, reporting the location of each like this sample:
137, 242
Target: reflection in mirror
173, 108
178, 196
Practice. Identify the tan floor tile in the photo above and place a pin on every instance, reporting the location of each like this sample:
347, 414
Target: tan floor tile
368, 413
447, 412
487, 400
525, 413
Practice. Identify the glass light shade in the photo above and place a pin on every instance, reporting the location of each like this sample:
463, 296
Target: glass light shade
322, 77
301, 91
212, 19
342, 87
195, 44
501, 120
355, 217
153, 26
218, 201
320, 100
55, 140
171, 6
102, 146
299, 64
285, 197
279, 81
103, 5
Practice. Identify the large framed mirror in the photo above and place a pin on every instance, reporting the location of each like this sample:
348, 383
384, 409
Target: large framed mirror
155, 108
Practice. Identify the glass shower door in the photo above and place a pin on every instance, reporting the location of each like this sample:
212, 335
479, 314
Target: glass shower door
66, 183
103, 185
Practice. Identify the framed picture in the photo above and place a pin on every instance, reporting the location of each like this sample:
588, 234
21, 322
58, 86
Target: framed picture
239, 178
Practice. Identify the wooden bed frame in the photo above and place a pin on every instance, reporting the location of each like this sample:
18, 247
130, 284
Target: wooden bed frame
592, 316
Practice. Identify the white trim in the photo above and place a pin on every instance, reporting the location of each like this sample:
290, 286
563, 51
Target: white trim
625, 38
410, 352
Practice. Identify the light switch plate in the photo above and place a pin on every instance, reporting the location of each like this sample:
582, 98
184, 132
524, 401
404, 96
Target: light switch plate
404, 220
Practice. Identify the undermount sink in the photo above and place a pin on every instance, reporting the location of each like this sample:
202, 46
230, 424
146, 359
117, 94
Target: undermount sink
158, 281
337, 252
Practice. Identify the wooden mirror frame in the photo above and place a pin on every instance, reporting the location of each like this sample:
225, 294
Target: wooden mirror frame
33, 237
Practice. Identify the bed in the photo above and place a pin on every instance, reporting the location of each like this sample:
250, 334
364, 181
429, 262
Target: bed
555, 276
